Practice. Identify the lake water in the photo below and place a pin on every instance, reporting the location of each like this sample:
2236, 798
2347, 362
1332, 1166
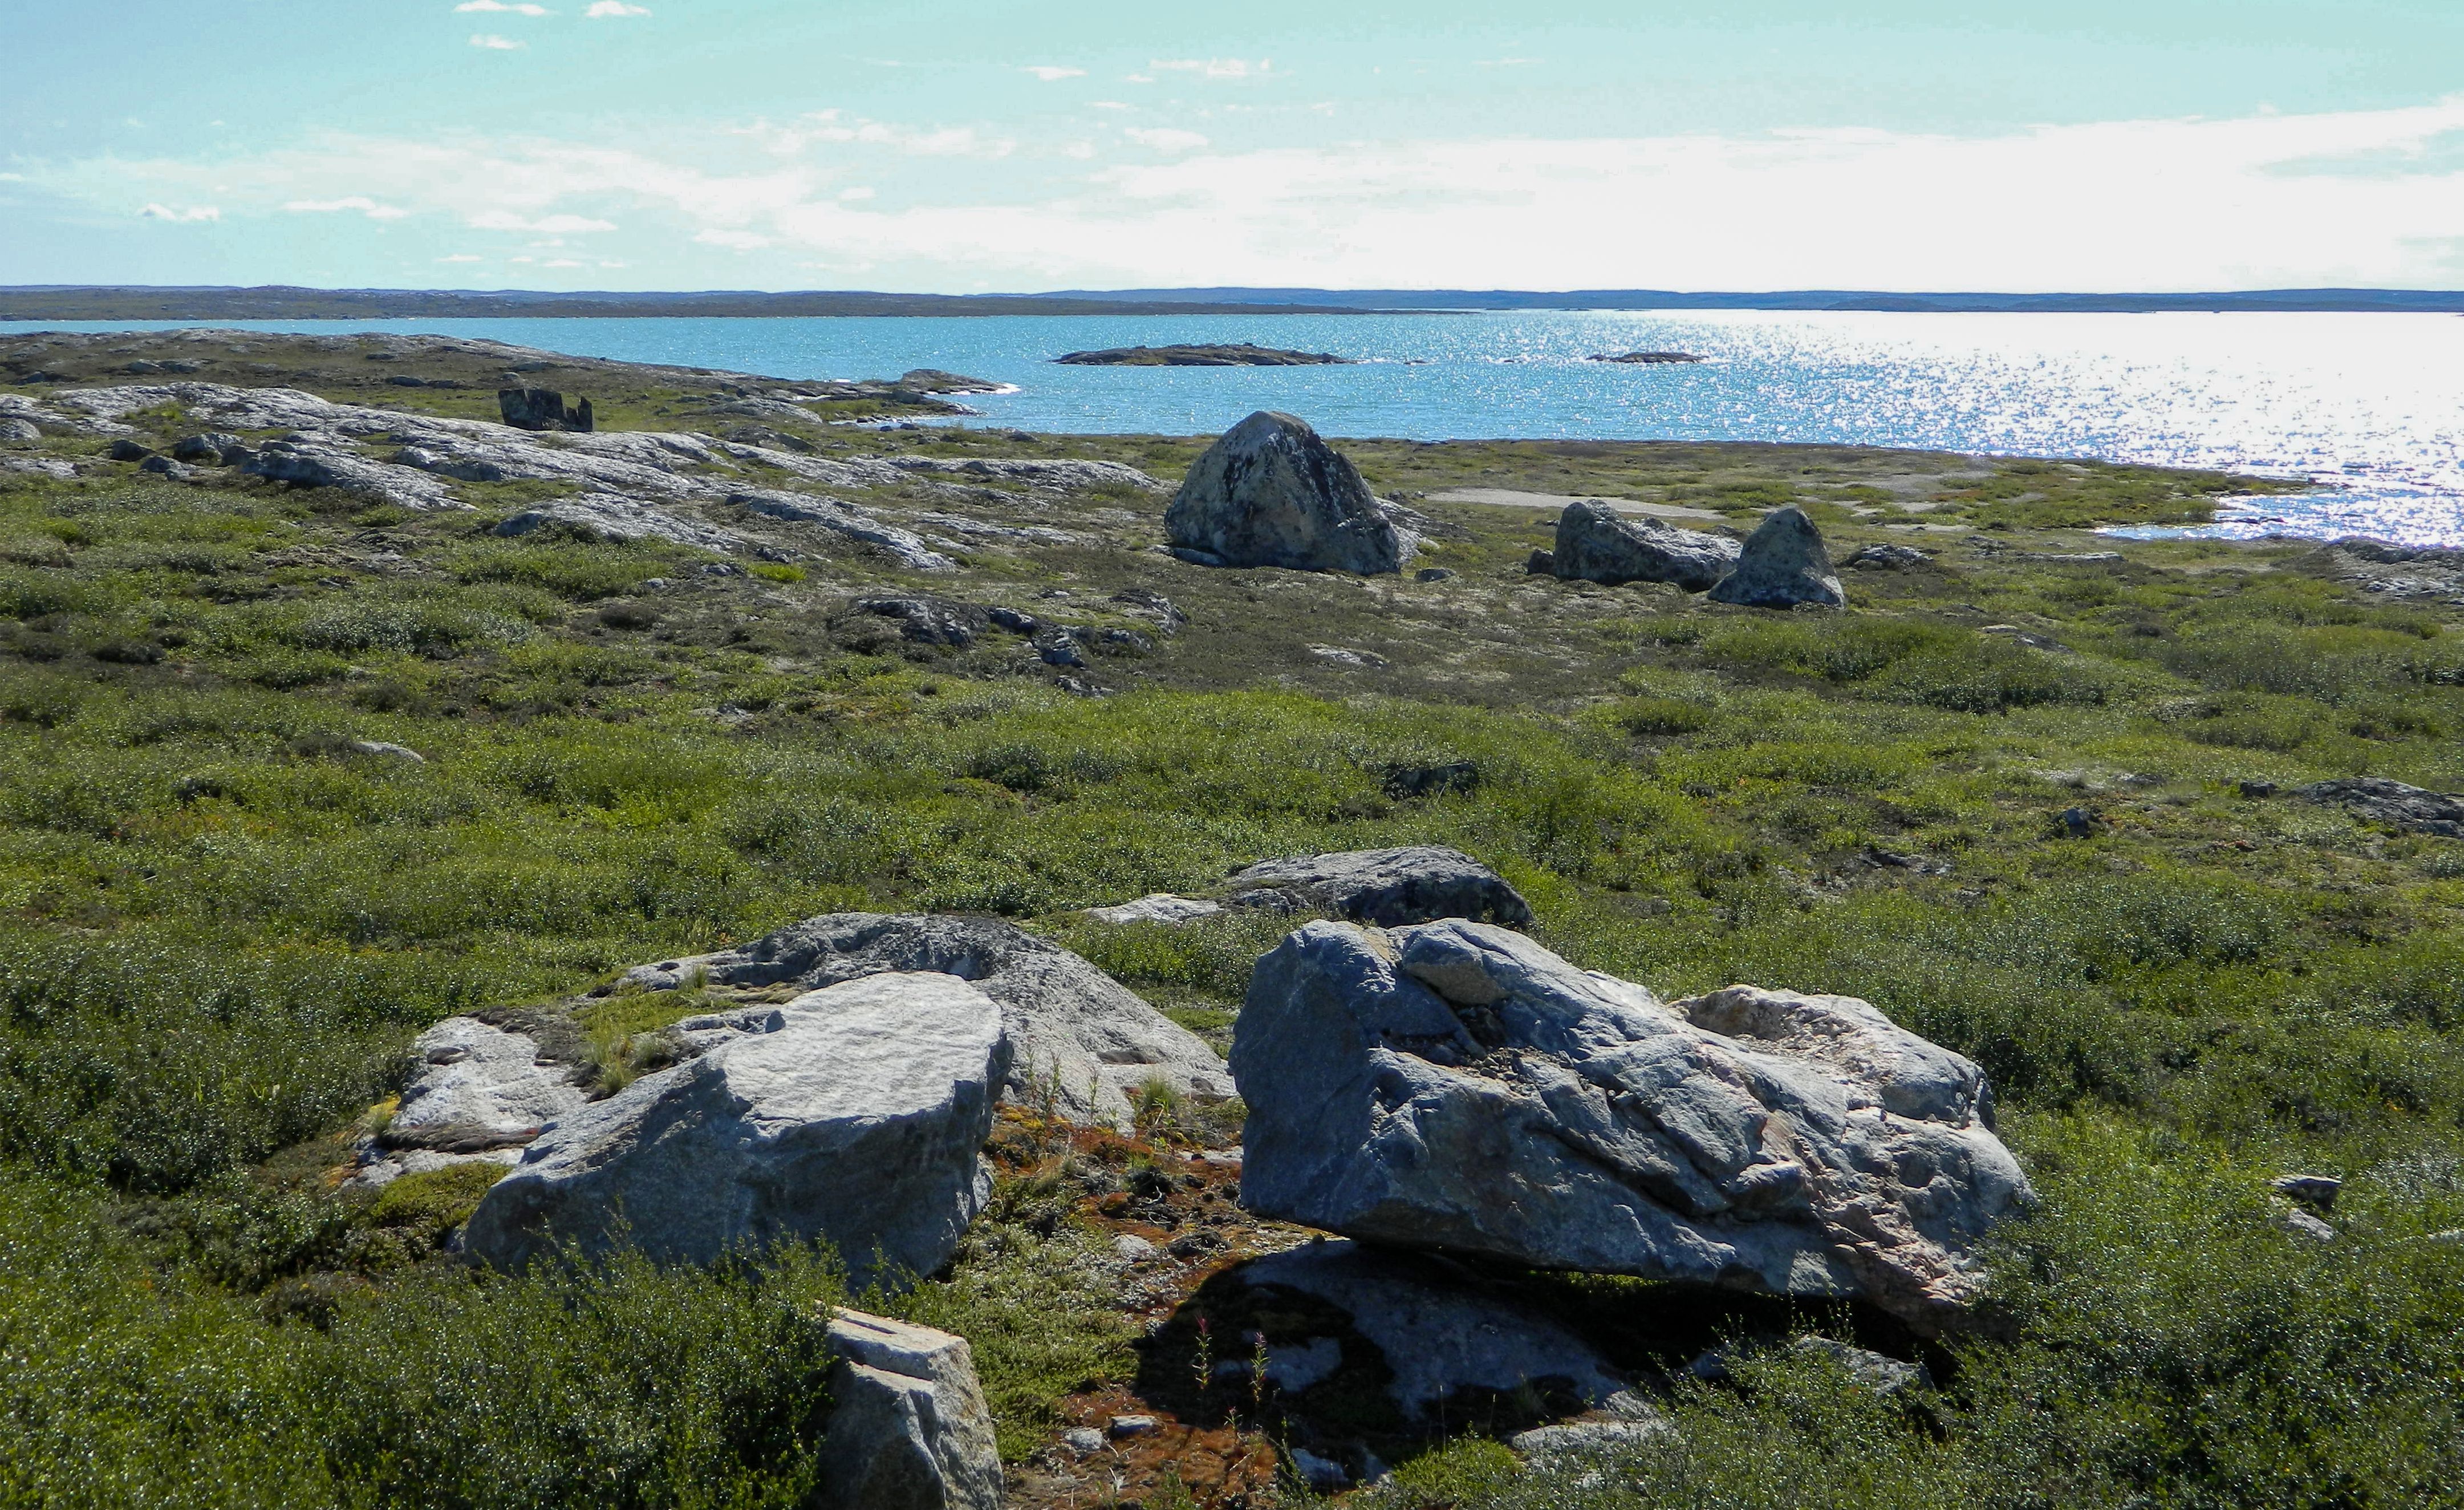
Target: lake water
2371, 405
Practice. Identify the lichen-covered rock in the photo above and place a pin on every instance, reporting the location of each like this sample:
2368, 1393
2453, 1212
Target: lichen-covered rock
1272, 493
1079, 1037
854, 1114
1783, 564
475, 1086
909, 1428
1457, 1086
613, 516
2416, 809
314, 462
1389, 888
1597, 544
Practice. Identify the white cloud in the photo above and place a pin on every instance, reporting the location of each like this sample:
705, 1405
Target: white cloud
548, 226
738, 240
462, 256
1051, 74
859, 191
562, 262
599, 10
1138, 78
189, 216
495, 43
1079, 149
1108, 104
1165, 139
359, 202
498, 7
1214, 67
12, 178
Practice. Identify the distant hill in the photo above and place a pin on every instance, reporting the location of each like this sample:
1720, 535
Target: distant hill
68, 303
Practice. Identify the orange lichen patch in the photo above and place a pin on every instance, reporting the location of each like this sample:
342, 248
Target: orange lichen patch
1226, 1467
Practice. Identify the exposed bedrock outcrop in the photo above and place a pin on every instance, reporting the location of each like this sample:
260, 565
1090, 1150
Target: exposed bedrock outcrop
1272, 493
2413, 808
1783, 564
1597, 544
853, 1114
1456, 1086
1388, 887
1077, 1035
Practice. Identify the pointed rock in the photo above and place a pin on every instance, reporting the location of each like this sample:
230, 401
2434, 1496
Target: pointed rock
1782, 565
1272, 493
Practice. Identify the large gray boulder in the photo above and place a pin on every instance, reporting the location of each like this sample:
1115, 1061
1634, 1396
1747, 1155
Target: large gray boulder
2416, 809
1079, 1037
857, 1117
1783, 564
1272, 493
1457, 1086
1597, 544
909, 1428
1388, 887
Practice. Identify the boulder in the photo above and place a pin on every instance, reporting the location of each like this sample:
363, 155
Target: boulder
931, 620
1889, 559
1597, 544
18, 433
1783, 564
1457, 1086
1389, 888
310, 462
1440, 1333
854, 1114
1272, 493
844, 519
212, 448
1077, 1035
2413, 808
1163, 906
909, 1428
543, 409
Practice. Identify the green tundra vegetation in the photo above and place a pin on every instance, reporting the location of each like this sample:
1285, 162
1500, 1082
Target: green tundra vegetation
2001, 797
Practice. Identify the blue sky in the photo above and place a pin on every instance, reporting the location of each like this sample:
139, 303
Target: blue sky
1021, 145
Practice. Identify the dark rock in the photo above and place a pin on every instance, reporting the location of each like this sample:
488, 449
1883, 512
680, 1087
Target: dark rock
2310, 1190
1456, 1086
404, 379
1783, 565
128, 450
2077, 823
1430, 780
1272, 493
1433, 574
164, 466
932, 380
1388, 887
1014, 621
1597, 544
931, 620
1540, 564
2257, 790
1233, 355
2410, 808
1889, 559
1147, 603
543, 409
1059, 648
210, 449
1650, 357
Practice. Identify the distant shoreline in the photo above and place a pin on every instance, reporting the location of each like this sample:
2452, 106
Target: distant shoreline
66, 302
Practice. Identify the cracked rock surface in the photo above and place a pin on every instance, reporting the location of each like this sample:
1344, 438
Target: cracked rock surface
1456, 1086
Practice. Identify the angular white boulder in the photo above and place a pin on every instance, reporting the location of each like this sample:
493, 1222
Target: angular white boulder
1456, 1086
475, 1086
1272, 493
1079, 1037
856, 1115
909, 1428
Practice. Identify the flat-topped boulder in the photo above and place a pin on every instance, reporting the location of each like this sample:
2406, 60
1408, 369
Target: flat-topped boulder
1782, 565
1596, 543
909, 1428
1077, 1035
1456, 1086
1272, 493
1388, 887
1235, 354
854, 1115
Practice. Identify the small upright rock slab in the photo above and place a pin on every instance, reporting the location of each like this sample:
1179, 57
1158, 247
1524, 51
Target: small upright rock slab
855, 1114
543, 409
1783, 564
1456, 1086
1597, 544
908, 1427
1388, 887
1272, 493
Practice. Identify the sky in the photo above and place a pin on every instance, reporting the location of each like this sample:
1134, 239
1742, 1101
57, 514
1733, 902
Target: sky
1013, 145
